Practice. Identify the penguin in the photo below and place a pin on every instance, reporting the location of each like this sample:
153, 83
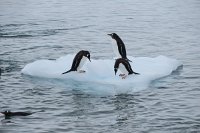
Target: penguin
79, 61
9, 114
124, 66
120, 50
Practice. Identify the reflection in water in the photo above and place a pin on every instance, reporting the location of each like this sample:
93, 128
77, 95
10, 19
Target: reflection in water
123, 104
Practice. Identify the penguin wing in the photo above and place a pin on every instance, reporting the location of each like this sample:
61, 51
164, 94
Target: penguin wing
75, 63
128, 67
122, 50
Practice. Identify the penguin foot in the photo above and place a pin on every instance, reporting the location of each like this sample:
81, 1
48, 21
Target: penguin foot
81, 71
121, 75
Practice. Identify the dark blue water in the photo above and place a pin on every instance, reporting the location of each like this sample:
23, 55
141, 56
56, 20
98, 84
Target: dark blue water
31, 30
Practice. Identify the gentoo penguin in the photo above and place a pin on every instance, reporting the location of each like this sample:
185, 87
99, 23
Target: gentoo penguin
120, 50
124, 66
79, 61
9, 114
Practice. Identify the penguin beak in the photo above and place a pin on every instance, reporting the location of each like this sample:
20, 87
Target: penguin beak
89, 58
110, 35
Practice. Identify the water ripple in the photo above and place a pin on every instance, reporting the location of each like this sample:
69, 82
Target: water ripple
36, 33
32, 30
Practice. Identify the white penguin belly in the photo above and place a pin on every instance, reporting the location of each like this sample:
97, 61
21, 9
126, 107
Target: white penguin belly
115, 49
123, 69
83, 60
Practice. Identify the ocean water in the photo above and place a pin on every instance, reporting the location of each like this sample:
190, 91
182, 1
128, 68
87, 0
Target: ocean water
49, 30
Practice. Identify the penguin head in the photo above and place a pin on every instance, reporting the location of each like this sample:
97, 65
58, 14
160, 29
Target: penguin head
87, 54
7, 112
113, 35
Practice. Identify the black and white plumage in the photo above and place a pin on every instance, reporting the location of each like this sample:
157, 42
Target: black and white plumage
79, 61
120, 50
124, 66
9, 114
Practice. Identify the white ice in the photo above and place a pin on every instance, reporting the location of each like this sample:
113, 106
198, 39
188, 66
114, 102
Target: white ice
102, 71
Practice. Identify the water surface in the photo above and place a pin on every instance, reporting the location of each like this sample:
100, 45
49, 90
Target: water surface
32, 30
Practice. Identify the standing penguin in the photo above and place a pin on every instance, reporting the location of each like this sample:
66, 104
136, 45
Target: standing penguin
124, 66
79, 61
120, 50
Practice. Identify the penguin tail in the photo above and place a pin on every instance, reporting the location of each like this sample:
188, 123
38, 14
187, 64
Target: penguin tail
136, 73
67, 71
128, 60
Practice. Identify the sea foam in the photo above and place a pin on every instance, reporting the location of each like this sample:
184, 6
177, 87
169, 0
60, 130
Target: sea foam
102, 70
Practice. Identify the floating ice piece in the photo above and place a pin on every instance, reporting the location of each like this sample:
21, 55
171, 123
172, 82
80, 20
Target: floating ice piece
102, 70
